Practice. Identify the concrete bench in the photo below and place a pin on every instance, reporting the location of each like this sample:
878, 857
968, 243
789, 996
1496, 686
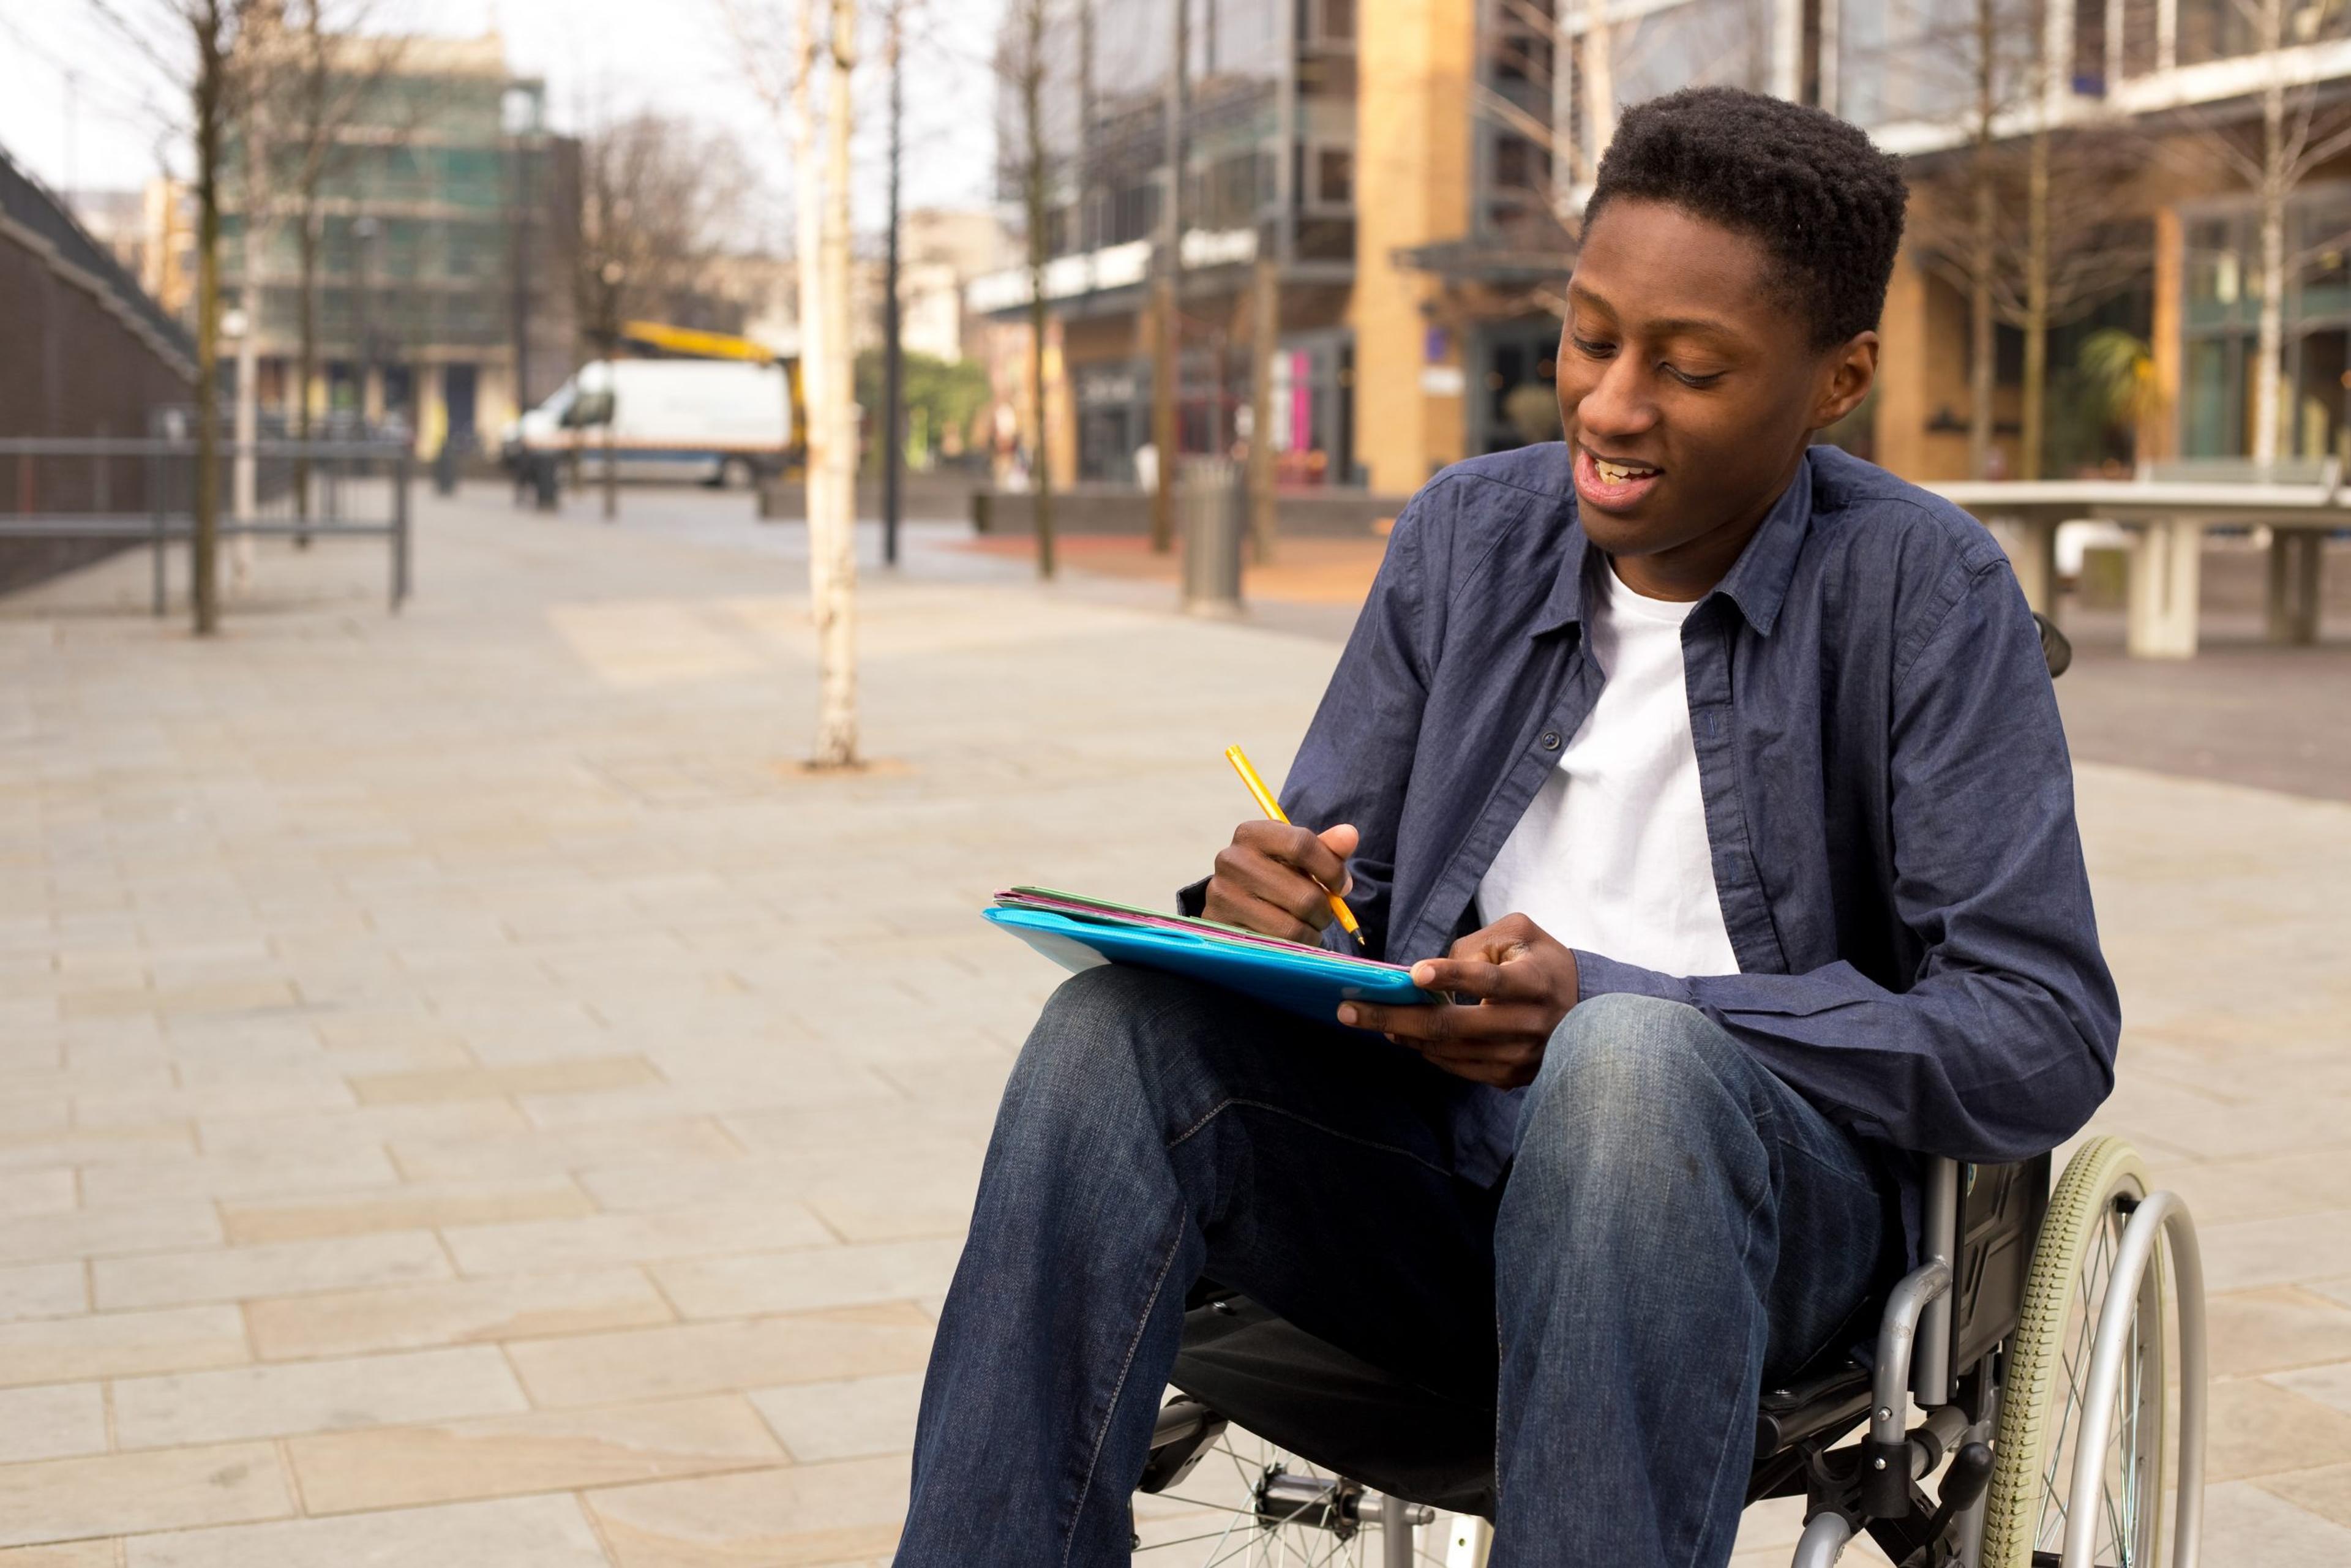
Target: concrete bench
2166, 519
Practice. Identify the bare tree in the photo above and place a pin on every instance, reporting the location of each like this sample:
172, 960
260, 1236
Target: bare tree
832, 538
1994, 228
1024, 67
195, 44
805, 88
658, 199
2297, 134
1971, 64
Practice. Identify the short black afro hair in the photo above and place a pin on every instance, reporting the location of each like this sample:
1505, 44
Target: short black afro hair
1823, 201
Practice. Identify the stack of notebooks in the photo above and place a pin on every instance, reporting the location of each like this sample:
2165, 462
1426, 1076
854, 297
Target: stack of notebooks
1078, 932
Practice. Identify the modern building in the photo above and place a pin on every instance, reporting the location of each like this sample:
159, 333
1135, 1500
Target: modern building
2172, 91
1268, 170
1418, 169
448, 225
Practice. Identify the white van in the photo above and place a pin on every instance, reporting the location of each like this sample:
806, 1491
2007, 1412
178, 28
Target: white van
721, 422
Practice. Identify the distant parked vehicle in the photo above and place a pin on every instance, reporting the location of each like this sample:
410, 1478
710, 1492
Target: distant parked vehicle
724, 423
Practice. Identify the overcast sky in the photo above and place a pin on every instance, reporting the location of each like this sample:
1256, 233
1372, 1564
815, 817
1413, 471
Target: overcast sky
79, 105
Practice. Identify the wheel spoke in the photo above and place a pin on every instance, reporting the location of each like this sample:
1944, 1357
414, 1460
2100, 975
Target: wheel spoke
2076, 1348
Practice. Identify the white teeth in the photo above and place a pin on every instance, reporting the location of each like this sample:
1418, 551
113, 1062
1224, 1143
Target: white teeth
1613, 473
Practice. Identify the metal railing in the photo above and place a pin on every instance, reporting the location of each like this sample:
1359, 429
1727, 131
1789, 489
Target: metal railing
105, 487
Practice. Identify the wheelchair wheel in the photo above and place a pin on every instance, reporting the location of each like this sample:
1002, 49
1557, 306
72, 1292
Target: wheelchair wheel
1248, 1504
2043, 1393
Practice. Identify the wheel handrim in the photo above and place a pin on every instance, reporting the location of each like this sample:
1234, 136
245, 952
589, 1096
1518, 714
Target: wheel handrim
2131, 1478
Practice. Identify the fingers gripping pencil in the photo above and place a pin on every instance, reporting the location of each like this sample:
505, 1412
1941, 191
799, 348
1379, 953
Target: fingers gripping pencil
1273, 809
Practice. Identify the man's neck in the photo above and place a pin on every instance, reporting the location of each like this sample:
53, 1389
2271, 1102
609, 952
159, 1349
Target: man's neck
1689, 571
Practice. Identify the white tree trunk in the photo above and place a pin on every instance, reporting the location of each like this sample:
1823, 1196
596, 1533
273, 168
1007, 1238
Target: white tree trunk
2270, 348
1599, 87
832, 411
2269, 354
808, 229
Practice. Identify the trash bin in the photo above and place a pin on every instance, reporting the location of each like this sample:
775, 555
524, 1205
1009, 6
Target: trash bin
1212, 506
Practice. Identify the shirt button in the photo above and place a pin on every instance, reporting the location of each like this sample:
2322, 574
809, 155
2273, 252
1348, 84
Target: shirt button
1550, 740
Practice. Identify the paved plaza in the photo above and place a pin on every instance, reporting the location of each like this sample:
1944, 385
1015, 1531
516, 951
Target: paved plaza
468, 1099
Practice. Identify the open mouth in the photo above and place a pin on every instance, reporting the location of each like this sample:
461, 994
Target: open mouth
1611, 483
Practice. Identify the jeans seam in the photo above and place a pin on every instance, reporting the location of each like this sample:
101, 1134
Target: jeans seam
1746, 1252
1118, 1387
1221, 1107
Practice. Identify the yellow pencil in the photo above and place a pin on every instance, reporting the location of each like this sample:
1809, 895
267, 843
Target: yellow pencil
1272, 808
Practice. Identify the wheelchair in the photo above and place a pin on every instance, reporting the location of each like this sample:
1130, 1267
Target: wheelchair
2048, 1362
2058, 1386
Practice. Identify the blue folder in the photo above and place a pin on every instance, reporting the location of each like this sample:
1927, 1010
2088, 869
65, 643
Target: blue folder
1311, 984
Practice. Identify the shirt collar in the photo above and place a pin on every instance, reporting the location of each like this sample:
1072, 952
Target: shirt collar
1757, 581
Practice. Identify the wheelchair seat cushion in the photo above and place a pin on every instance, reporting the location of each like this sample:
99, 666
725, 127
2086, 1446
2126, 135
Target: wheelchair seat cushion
1336, 1411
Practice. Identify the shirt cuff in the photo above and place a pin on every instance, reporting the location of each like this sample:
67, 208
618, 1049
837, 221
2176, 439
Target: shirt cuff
1192, 898
1598, 976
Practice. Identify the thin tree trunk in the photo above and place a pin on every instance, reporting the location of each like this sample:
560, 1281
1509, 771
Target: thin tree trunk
808, 244
1034, 172
1167, 299
1599, 84
306, 351
2036, 264
314, 109
205, 502
1265, 331
244, 487
1981, 346
833, 541
1982, 257
893, 326
2269, 353
2269, 349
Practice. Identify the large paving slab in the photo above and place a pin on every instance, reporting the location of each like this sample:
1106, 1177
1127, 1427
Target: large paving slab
467, 1097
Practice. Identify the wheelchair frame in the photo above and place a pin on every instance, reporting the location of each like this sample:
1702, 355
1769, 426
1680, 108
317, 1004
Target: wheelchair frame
1977, 1253
1943, 1337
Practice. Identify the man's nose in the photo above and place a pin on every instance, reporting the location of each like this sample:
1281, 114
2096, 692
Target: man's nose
1618, 406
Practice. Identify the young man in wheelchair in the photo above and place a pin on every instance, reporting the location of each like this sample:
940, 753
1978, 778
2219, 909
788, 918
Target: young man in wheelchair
1718, 778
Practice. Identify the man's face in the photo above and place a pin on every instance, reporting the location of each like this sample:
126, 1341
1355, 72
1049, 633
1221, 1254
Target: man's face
1688, 385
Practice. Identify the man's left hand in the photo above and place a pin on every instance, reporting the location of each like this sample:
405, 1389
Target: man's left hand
1522, 982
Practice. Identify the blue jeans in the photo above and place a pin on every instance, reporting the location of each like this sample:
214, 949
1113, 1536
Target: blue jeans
1677, 1227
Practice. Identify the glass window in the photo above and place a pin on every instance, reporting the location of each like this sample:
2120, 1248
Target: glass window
1904, 60
1334, 176
2141, 35
2222, 29
1704, 43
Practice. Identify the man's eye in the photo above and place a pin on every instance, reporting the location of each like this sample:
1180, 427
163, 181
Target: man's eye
1595, 350
1690, 379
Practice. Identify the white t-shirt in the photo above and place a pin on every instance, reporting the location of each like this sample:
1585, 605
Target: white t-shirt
1611, 854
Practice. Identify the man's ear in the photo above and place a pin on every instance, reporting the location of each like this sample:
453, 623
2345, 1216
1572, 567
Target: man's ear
1852, 370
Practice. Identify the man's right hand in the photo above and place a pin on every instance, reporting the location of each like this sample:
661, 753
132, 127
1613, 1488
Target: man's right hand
1275, 878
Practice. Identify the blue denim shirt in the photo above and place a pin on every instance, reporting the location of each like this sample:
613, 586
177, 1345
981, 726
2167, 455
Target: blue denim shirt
1888, 798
